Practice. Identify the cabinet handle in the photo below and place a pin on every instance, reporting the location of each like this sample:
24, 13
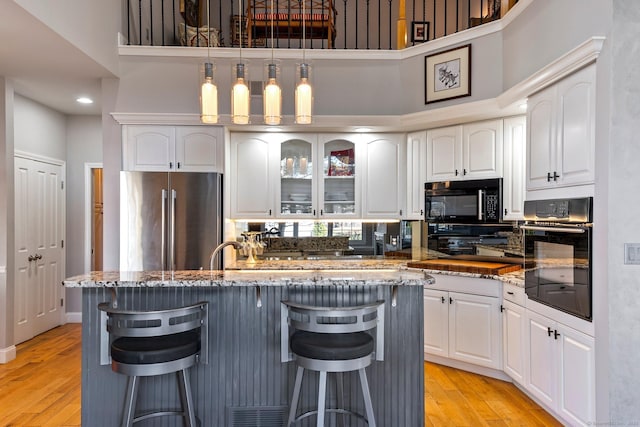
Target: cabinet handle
505, 211
549, 331
509, 293
38, 256
555, 176
32, 258
548, 176
421, 212
556, 334
450, 300
321, 212
269, 212
178, 165
170, 165
501, 308
443, 300
400, 212
456, 172
314, 212
464, 171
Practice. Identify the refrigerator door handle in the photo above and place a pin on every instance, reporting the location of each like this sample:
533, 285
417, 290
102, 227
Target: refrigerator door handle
163, 244
172, 248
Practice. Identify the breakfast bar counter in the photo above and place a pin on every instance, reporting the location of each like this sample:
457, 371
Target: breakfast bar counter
244, 377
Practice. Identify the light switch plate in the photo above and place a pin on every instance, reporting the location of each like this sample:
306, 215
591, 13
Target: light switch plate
632, 253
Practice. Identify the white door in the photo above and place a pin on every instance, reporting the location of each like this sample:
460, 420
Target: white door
39, 225
542, 376
513, 336
251, 178
384, 176
475, 329
436, 322
576, 401
513, 188
482, 150
416, 174
444, 153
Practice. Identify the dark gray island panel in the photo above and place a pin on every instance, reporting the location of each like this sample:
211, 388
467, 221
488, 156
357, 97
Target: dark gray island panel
244, 376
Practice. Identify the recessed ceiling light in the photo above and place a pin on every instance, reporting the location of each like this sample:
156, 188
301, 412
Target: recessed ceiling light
363, 129
84, 100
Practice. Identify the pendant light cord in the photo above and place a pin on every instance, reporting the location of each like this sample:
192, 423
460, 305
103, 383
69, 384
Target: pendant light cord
208, 31
304, 29
271, 31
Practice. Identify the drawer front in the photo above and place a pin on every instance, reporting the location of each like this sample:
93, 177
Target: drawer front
513, 293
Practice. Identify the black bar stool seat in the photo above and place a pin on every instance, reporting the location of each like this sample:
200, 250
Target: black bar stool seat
152, 343
336, 340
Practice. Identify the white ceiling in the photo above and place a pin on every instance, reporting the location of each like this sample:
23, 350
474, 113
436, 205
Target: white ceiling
43, 66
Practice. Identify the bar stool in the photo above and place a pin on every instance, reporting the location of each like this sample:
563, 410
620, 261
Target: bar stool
150, 343
331, 339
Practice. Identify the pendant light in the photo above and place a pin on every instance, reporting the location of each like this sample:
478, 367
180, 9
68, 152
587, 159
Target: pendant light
208, 89
272, 96
304, 91
240, 95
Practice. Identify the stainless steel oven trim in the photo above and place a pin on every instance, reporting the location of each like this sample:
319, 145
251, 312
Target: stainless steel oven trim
574, 230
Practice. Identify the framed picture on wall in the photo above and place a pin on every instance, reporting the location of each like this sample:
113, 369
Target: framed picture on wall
448, 74
419, 31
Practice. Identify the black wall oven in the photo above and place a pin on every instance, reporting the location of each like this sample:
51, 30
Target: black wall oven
476, 201
557, 245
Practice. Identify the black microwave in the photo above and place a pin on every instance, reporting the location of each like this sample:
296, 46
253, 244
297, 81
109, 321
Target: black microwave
476, 201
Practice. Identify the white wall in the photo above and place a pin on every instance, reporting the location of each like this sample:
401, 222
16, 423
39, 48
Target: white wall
84, 145
6, 218
76, 21
39, 129
624, 213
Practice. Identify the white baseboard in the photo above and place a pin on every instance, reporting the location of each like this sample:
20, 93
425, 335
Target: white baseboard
74, 317
7, 354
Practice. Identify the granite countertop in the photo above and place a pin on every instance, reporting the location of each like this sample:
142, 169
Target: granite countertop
507, 249
217, 278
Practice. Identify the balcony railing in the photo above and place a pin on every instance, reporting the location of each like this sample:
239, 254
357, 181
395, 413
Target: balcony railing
323, 24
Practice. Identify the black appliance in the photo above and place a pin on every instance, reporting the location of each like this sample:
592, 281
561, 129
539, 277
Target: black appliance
476, 201
557, 243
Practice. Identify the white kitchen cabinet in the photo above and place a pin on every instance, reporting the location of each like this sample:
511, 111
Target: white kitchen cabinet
464, 326
513, 185
469, 151
514, 333
561, 132
339, 176
296, 185
384, 176
561, 372
251, 177
436, 322
416, 175
475, 329
173, 148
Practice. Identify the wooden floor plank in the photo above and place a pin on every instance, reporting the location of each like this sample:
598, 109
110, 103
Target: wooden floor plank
41, 387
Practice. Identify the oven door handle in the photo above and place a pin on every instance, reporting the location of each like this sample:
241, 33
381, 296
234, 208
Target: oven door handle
555, 229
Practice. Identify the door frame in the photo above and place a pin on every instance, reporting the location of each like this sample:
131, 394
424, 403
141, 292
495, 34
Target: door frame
88, 210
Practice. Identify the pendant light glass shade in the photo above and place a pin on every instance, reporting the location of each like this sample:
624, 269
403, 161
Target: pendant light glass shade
208, 96
304, 96
272, 97
240, 96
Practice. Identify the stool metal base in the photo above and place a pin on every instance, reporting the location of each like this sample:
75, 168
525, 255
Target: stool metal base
322, 390
186, 400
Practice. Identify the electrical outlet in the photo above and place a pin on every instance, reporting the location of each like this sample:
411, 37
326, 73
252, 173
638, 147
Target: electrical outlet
632, 253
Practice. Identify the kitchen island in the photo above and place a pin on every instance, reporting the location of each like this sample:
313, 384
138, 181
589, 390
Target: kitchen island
244, 377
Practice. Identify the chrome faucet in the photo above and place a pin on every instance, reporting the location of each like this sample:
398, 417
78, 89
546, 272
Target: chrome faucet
236, 245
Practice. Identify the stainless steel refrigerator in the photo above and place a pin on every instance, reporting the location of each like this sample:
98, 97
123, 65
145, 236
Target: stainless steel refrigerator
169, 221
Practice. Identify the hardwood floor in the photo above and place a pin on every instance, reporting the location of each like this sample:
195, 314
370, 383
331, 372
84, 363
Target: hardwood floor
42, 388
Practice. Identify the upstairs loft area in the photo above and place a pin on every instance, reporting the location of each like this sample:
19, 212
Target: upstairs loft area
310, 24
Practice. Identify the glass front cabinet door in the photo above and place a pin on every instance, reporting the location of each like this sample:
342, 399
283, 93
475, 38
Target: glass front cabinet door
339, 190
297, 186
